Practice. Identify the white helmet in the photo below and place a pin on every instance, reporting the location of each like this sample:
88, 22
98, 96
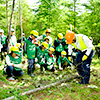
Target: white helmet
1, 31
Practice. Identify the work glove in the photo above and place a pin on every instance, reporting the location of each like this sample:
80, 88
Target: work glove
37, 65
69, 58
50, 67
36, 60
72, 67
60, 68
84, 57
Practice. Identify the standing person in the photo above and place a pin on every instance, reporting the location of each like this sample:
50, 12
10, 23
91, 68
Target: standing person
13, 64
19, 40
3, 44
58, 45
84, 56
13, 39
29, 49
48, 32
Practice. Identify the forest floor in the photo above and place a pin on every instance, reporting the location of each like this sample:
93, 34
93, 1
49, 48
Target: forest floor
70, 90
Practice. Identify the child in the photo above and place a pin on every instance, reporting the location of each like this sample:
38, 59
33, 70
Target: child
46, 39
13, 62
63, 61
40, 52
58, 45
29, 49
3, 44
49, 60
48, 32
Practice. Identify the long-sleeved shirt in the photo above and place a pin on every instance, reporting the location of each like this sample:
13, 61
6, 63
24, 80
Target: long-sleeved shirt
9, 63
87, 42
42, 38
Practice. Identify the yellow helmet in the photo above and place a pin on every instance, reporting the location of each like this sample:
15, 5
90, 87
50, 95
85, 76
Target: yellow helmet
18, 45
46, 38
45, 44
60, 36
34, 32
13, 48
51, 49
63, 53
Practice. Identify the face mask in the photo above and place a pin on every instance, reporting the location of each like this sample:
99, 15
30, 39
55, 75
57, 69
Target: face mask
16, 57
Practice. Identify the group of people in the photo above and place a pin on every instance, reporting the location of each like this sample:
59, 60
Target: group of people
68, 50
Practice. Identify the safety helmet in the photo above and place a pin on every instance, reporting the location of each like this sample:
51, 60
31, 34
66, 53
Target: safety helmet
14, 49
1, 31
45, 44
18, 44
12, 30
51, 49
23, 33
68, 31
46, 38
34, 33
48, 31
63, 53
60, 36
69, 36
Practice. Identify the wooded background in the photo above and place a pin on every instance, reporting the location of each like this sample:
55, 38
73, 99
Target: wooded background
54, 14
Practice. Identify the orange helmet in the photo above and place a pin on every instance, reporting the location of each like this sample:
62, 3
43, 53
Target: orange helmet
69, 36
48, 31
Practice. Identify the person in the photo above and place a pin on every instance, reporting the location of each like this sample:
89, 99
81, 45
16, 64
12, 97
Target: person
84, 56
3, 44
13, 39
48, 32
19, 40
46, 39
29, 49
63, 61
48, 61
13, 64
58, 45
40, 52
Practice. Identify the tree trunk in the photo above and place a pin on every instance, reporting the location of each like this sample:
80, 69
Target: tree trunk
7, 16
21, 26
9, 34
43, 87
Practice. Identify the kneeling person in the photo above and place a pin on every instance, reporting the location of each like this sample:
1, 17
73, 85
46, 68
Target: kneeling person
13, 62
49, 60
63, 61
40, 52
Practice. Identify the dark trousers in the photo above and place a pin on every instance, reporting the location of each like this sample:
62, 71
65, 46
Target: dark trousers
84, 68
31, 67
12, 72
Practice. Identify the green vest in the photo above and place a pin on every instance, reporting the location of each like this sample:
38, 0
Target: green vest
60, 47
50, 60
30, 49
15, 61
4, 40
40, 54
81, 42
62, 60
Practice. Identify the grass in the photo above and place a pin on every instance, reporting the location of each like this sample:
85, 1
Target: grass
70, 91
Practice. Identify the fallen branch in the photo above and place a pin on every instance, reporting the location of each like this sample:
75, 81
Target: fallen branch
43, 87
